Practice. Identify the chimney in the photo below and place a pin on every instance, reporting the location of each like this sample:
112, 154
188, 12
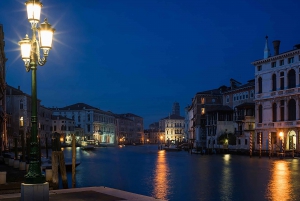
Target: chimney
18, 87
276, 44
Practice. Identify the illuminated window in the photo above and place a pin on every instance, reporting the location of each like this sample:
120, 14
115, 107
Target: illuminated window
202, 100
202, 111
21, 121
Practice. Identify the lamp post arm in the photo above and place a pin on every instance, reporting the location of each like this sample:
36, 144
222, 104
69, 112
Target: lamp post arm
42, 61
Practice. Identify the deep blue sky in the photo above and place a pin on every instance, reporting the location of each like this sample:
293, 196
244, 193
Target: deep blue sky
141, 56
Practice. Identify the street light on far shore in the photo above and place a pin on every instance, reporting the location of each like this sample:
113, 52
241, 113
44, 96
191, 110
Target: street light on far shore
30, 53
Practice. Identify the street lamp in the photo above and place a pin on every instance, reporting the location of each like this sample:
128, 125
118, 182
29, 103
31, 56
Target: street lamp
30, 52
281, 141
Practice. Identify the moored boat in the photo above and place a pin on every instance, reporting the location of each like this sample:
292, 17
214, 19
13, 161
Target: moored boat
88, 147
47, 164
172, 148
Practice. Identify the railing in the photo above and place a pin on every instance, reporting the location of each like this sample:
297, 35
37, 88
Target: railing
289, 91
289, 123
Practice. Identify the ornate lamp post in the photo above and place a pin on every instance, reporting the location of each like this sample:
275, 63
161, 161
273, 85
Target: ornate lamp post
281, 144
30, 51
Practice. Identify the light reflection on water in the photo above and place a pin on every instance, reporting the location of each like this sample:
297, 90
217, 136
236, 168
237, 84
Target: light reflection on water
279, 188
178, 176
226, 183
160, 183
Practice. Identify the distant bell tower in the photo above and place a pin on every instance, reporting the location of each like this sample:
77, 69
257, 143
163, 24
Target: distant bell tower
176, 109
266, 50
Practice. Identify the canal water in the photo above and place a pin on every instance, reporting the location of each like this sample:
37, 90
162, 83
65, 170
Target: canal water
180, 176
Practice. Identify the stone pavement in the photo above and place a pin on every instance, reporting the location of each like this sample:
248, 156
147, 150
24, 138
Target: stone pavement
90, 193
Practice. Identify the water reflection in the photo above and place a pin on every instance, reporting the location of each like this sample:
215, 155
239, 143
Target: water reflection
226, 179
161, 185
279, 187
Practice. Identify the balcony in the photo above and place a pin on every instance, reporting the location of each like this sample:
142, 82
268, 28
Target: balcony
290, 91
282, 124
274, 94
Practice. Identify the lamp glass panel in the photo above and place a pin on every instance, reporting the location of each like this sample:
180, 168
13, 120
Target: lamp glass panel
33, 11
46, 37
25, 50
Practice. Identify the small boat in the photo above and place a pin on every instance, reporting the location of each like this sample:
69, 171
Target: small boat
172, 148
88, 147
47, 164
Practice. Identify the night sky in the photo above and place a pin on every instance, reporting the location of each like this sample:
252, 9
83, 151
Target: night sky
141, 56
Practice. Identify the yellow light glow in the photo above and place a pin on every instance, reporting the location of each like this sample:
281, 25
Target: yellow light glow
33, 11
279, 187
161, 182
281, 134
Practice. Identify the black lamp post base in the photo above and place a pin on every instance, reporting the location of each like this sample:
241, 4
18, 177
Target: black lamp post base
34, 175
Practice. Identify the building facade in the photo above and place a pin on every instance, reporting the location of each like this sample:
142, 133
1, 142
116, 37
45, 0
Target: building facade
97, 125
219, 122
202, 102
277, 82
45, 125
3, 119
240, 97
136, 131
65, 127
173, 127
18, 111
125, 129
155, 134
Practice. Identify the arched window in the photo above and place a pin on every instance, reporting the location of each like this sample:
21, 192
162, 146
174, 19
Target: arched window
274, 112
259, 85
282, 81
260, 112
274, 82
291, 79
282, 105
292, 110
21, 104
